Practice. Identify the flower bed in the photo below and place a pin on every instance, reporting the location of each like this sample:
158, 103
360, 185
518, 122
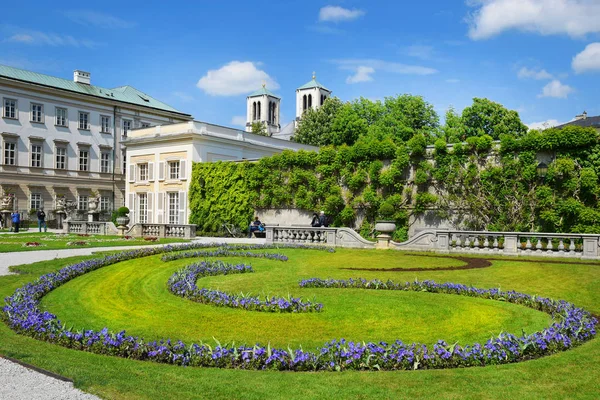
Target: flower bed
77, 243
32, 244
223, 253
183, 283
571, 327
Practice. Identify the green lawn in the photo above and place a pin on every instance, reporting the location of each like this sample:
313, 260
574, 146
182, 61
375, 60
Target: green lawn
132, 295
52, 241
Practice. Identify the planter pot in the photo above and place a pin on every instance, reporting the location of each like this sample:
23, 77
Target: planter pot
92, 205
123, 221
386, 227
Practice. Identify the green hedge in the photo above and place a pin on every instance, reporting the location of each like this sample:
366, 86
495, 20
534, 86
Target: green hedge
506, 194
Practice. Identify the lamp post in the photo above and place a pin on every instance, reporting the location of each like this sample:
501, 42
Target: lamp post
542, 170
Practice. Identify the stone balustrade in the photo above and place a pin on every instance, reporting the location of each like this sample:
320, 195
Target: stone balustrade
582, 246
89, 228
182, 231
341, 237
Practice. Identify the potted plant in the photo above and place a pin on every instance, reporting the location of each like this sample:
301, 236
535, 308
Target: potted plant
386, 223
122, 217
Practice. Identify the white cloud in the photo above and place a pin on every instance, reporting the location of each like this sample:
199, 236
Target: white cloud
546, 17
380, 65
557, 90
238, 120
422, 52
544, 124
98, 19
363, 74
186, 98
21, 38
537, 74
588, 59
339, 14
235, 78
49, 39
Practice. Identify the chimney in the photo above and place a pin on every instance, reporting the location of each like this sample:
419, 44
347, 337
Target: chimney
81, 77
581, 116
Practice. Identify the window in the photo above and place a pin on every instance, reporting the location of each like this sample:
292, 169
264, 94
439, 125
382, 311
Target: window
304, 103
61, 158
10, 108
105, 162
84, 160
173, 169
126, 127
173, 207
105, 124
37, 113
145, 125
124, 163
142, 208
84, 121
61, 117
10, 153
36, 155
35, 202
104, 203
143, 172
82, 202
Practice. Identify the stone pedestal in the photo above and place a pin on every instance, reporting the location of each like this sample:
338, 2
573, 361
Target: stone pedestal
6, 218
61, 216
383, 241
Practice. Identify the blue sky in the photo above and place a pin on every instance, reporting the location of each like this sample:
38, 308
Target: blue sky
539, 57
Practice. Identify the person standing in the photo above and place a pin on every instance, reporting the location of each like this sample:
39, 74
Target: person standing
41, 216
16, 220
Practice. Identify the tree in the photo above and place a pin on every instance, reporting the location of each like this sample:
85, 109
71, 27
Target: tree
454, 130
485, 117
315, 126
259, 128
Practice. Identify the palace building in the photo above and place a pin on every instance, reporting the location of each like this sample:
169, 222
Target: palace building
62, 139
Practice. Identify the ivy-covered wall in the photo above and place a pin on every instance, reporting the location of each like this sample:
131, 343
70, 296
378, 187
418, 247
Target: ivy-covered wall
480, 184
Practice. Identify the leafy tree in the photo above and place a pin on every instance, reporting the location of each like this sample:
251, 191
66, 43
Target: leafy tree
315, 126
259, 128
453, 130
485, 117
409, 115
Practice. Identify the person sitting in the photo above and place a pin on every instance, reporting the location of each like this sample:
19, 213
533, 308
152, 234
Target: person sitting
323, 219
41, 216
256, 226
315, 223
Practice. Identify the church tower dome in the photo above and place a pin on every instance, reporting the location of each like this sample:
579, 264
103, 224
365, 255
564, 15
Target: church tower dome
263, 106
310, 95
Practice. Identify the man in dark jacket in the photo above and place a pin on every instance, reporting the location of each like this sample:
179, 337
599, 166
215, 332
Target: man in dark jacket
41, 216
323, 219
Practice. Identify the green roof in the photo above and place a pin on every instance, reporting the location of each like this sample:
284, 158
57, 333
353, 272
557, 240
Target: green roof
126, 94
313, 84
262, 91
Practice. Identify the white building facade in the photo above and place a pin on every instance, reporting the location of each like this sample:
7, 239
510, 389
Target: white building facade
159, 164
61, 139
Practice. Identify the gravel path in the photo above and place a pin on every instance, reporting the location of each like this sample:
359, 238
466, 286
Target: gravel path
21, 383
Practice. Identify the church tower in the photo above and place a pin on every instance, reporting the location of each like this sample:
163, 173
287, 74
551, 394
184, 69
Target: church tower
263, 107
310, 95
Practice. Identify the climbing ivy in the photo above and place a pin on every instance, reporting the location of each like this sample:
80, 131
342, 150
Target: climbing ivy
479, 184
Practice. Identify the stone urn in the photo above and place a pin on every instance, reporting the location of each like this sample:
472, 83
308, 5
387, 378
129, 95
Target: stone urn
385, 227
6, 202
93, 204
123, 220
